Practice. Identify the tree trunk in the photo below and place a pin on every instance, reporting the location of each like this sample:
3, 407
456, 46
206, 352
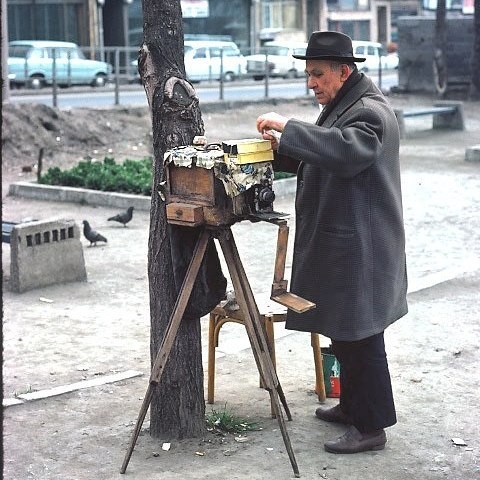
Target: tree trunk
178, 408
475, 83
440, 50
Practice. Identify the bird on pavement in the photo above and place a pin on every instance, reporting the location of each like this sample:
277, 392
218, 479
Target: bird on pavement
123, 217
92, 235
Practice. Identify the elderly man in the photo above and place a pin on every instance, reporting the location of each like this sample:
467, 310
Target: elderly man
349, 251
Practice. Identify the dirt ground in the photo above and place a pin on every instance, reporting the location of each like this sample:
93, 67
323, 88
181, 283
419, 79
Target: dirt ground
63, 334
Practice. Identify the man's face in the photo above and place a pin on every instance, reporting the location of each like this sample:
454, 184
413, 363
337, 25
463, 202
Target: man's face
325, 81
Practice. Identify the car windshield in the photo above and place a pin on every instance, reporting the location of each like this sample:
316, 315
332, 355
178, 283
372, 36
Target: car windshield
19, 51
276, 50
225, 51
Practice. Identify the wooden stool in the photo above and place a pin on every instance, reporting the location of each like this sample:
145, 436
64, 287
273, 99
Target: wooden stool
219, 316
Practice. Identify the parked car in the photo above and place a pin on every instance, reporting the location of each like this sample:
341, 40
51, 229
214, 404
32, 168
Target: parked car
280, 60
204, 59
372, 51
30, 63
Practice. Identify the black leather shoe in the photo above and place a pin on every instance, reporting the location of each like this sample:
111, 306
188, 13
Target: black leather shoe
352, 441
333, 414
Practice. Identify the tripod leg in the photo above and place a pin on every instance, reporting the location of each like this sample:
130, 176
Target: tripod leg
251, 311
225, 240
283, 429
169, 337
246, 301
138, 427
180, 306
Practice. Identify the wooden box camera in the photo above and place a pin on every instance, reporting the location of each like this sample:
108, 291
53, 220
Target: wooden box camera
223, 194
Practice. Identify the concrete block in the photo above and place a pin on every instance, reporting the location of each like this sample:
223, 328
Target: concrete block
454, 120
472, 154
45, 252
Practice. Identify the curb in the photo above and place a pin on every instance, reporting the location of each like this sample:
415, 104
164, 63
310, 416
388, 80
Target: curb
49, 193
472, 154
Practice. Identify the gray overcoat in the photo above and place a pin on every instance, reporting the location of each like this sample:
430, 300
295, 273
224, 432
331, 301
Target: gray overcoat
349, 251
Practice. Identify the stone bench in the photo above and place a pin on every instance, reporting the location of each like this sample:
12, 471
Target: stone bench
445, 114
44, 252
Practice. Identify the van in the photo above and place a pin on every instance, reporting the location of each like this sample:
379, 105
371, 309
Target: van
212, 59
371, 51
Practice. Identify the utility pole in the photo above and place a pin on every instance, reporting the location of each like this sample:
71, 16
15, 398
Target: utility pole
5, 81
254, 25
323, 15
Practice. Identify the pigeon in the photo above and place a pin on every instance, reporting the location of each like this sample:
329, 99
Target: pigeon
91, 235
123, 217
230, 302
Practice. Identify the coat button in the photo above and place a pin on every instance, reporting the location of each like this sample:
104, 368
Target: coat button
300, 183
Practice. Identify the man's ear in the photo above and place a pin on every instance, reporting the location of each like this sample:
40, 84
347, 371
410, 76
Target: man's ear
345, 72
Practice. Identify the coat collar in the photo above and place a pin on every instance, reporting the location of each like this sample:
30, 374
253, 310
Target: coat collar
357, 91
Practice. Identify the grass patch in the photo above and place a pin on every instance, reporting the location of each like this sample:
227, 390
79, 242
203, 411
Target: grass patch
27, 389
226, 422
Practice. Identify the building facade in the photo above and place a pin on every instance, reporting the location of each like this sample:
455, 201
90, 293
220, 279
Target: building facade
249, 23
89, 23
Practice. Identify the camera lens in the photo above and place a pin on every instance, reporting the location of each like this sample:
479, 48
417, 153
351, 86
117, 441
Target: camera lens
266, 195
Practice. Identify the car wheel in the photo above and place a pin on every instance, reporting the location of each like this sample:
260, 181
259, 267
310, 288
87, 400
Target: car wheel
228, 77
36, 82
100, 80
258, 77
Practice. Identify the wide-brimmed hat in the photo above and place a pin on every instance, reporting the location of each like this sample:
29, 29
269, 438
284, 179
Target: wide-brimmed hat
330, 46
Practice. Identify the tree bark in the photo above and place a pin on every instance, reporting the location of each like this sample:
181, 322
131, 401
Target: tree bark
178, 408
440, 53
475, 82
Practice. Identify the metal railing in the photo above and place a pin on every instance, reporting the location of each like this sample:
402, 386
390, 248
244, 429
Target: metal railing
125, 76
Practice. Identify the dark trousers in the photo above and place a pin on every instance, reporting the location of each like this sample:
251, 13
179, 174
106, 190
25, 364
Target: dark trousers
365, 385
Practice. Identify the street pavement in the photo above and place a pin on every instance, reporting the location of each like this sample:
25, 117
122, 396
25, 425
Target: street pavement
63, 334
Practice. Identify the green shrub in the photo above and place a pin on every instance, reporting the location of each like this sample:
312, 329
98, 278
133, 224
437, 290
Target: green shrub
133, 176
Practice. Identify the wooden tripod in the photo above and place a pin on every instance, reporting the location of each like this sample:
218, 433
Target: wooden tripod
246, 301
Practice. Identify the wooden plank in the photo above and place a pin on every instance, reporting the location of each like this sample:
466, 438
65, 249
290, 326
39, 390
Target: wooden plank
282, 242
293, 302
9, 402
94, 382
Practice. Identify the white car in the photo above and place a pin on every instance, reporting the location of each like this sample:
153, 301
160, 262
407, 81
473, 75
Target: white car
206, 59
210, 59
280, 61
372, 51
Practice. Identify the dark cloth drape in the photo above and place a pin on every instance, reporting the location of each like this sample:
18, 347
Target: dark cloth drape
210, 284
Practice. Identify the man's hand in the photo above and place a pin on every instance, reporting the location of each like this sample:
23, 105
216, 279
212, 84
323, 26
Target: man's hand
269, 124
